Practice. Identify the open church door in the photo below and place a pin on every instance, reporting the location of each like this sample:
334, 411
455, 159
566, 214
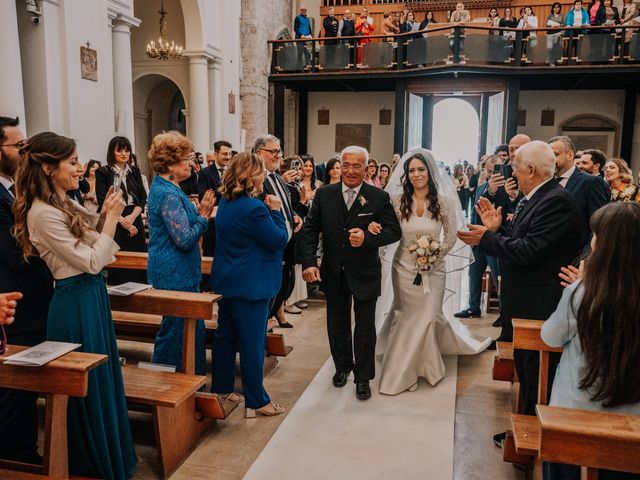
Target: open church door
494, 121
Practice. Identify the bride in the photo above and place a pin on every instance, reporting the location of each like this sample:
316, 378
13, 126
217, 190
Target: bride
415, 332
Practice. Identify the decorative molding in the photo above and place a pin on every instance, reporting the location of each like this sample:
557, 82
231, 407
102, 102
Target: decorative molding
116, 15
208, 53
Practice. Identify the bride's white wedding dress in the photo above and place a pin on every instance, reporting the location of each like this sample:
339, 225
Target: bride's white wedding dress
415, 333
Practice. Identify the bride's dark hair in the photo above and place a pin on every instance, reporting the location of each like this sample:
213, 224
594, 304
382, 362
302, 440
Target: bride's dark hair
406, 201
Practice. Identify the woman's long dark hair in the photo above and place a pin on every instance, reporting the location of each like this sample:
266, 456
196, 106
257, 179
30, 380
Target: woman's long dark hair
117, 143
608, 323
90, 164
330, 164
406, 201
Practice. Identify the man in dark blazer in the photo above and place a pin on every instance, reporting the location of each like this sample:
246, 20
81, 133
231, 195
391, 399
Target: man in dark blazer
350, 270
209, 179
544, 236
18, 413
478, 267
589, 191
267, 147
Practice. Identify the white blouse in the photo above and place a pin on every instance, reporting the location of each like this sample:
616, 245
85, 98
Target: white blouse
64, 254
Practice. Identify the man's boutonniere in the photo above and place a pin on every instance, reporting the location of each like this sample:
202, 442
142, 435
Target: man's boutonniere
362, 200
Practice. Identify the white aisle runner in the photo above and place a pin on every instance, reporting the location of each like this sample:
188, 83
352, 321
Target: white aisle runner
331, 434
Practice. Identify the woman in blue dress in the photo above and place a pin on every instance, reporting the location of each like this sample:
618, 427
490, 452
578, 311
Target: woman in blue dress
76, 245
175, 228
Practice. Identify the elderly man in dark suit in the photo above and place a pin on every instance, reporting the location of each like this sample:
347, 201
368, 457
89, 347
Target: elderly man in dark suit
18, 413
589, 191
350, 269
209, 179
544, 235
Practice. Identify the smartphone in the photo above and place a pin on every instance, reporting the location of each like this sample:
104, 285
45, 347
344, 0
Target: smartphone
117, 181
295, 164
505, 170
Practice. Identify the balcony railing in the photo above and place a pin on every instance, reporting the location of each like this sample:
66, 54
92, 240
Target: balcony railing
459, 45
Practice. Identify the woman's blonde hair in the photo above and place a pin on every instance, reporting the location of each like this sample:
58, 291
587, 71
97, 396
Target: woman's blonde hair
242, 177
626, 175
32, 182
168, 148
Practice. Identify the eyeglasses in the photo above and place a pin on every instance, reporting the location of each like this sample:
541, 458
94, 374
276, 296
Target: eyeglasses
356, 167
274, 151
19, 144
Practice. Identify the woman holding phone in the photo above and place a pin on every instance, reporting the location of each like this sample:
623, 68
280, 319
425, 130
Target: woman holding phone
120, 175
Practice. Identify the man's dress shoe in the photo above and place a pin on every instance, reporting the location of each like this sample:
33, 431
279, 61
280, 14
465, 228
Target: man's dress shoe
363, 390
340, 379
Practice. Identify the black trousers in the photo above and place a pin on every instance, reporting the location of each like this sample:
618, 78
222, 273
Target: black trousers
19, 414
362, 344
288, 279
128, 243
527, 365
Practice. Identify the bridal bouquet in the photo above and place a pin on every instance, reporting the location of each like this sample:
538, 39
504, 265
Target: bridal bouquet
426, 251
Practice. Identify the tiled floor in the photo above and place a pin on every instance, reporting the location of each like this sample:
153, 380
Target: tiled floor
229, 450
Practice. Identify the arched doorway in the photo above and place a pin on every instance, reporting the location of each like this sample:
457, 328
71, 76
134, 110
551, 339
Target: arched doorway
158, 106
456, 131
593, 131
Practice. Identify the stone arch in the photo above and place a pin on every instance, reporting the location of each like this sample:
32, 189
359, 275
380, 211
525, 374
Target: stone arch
593, 131
155, 97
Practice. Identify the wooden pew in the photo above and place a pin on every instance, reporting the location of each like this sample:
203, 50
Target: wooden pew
141, 327
593, 440
517, 447
67, 376
181, 414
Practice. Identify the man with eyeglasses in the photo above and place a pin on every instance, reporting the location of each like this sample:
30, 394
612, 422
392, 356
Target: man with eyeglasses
267, 147
18, 412
350, 272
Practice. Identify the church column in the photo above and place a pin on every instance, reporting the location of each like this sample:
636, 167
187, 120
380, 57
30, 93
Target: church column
11, 93
198, 126
215, 103
123, 76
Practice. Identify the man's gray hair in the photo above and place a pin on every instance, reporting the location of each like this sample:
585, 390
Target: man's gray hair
354, 149
262, 141
540, 155
568, 143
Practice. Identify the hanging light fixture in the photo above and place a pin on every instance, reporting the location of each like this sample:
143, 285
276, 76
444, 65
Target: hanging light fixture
163, 50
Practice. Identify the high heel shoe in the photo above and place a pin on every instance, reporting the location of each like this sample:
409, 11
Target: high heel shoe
269, 410
284, 324
234, 397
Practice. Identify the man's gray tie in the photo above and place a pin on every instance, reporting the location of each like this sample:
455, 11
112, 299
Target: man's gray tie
351, 195
519, 208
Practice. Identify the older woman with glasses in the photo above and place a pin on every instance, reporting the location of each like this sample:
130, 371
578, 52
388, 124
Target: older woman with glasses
175, 228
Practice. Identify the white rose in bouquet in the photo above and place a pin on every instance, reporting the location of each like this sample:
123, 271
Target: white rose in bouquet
421, 252
433, 259
423, 242
434, 245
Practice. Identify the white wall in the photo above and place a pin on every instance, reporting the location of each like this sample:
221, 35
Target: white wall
567, 104
350, 107
56, 97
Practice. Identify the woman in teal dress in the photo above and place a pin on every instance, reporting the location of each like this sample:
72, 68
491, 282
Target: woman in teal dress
175, 227
76, 245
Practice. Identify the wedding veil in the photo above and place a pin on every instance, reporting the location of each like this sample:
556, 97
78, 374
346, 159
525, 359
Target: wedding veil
460, 256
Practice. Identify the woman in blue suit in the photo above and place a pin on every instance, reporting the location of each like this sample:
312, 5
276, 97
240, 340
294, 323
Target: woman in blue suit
247, 272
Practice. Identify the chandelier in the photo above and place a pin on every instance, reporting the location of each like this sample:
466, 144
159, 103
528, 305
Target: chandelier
163, 50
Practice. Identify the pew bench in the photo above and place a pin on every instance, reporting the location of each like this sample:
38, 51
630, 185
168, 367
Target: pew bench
64, 377
181, 414
143, 327
518, 446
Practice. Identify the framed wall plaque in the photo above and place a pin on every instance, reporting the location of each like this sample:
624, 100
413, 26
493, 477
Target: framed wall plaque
547, 118
353, 134
232, 102
323, 116
89, 63
385, 117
